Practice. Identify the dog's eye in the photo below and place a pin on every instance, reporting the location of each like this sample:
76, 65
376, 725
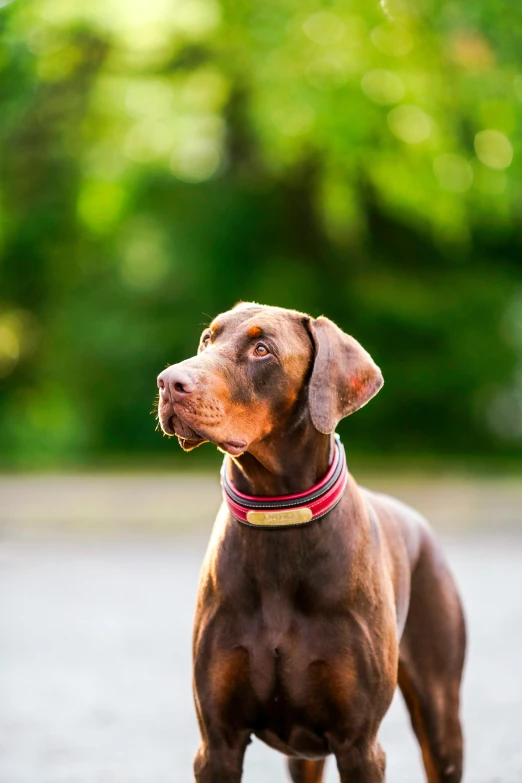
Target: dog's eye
261, 350
205, 341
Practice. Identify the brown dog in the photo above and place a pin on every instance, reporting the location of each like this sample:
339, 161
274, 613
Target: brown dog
303, 631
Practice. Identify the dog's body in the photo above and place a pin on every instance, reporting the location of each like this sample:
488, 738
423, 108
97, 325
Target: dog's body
302, 634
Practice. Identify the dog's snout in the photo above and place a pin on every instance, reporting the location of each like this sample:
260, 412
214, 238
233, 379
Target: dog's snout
176, 382
182, 384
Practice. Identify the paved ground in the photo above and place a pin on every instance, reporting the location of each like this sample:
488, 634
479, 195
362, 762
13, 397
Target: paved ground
98, 504
95, 663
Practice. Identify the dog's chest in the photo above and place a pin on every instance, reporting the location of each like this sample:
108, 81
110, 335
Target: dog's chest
303, 675
293, 650
297, 659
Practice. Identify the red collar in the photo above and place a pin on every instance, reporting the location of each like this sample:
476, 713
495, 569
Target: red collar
289, 510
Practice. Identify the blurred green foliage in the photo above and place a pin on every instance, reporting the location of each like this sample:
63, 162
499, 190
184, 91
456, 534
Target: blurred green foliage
162, 159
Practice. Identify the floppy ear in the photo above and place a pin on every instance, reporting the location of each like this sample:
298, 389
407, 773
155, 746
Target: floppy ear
344, 375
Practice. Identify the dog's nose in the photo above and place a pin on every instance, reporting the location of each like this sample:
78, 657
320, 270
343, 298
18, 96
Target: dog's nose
175, 381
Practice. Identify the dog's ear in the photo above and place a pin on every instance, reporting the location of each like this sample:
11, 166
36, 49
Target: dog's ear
344, 376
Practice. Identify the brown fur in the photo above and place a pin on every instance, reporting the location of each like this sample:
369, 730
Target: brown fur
301, 635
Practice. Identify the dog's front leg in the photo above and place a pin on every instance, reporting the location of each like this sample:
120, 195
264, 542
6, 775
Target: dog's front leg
220, 762
221, 696
361, 763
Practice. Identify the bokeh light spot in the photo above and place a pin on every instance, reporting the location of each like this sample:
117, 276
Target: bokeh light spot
9, 348
409, 124
293, 120
494, 149
328, 73
148, 141
197, 160
19, 336
145, 258
471, 51
149, 98
453, 173
505, 414
392, 40
206, 89
324, 28
382, 86
100, 205
198, 18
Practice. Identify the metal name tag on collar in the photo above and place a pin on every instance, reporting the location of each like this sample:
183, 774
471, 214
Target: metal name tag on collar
289, 510
286, 516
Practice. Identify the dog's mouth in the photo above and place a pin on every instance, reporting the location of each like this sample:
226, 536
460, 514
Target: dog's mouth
187, 444
189, 438
233, 447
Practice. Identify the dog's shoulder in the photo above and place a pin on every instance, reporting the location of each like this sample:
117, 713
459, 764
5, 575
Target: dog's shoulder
399, 522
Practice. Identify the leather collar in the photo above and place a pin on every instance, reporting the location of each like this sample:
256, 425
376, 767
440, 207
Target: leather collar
289, 510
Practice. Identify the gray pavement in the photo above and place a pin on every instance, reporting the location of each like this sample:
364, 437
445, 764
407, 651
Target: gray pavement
97, 504
95, 663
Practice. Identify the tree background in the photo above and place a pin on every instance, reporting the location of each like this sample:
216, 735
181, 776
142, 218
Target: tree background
162, 159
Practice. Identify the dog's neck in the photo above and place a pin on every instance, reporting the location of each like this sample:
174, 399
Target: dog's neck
285, 462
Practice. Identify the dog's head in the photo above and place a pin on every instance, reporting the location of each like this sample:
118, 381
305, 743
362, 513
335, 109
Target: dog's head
260, 368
